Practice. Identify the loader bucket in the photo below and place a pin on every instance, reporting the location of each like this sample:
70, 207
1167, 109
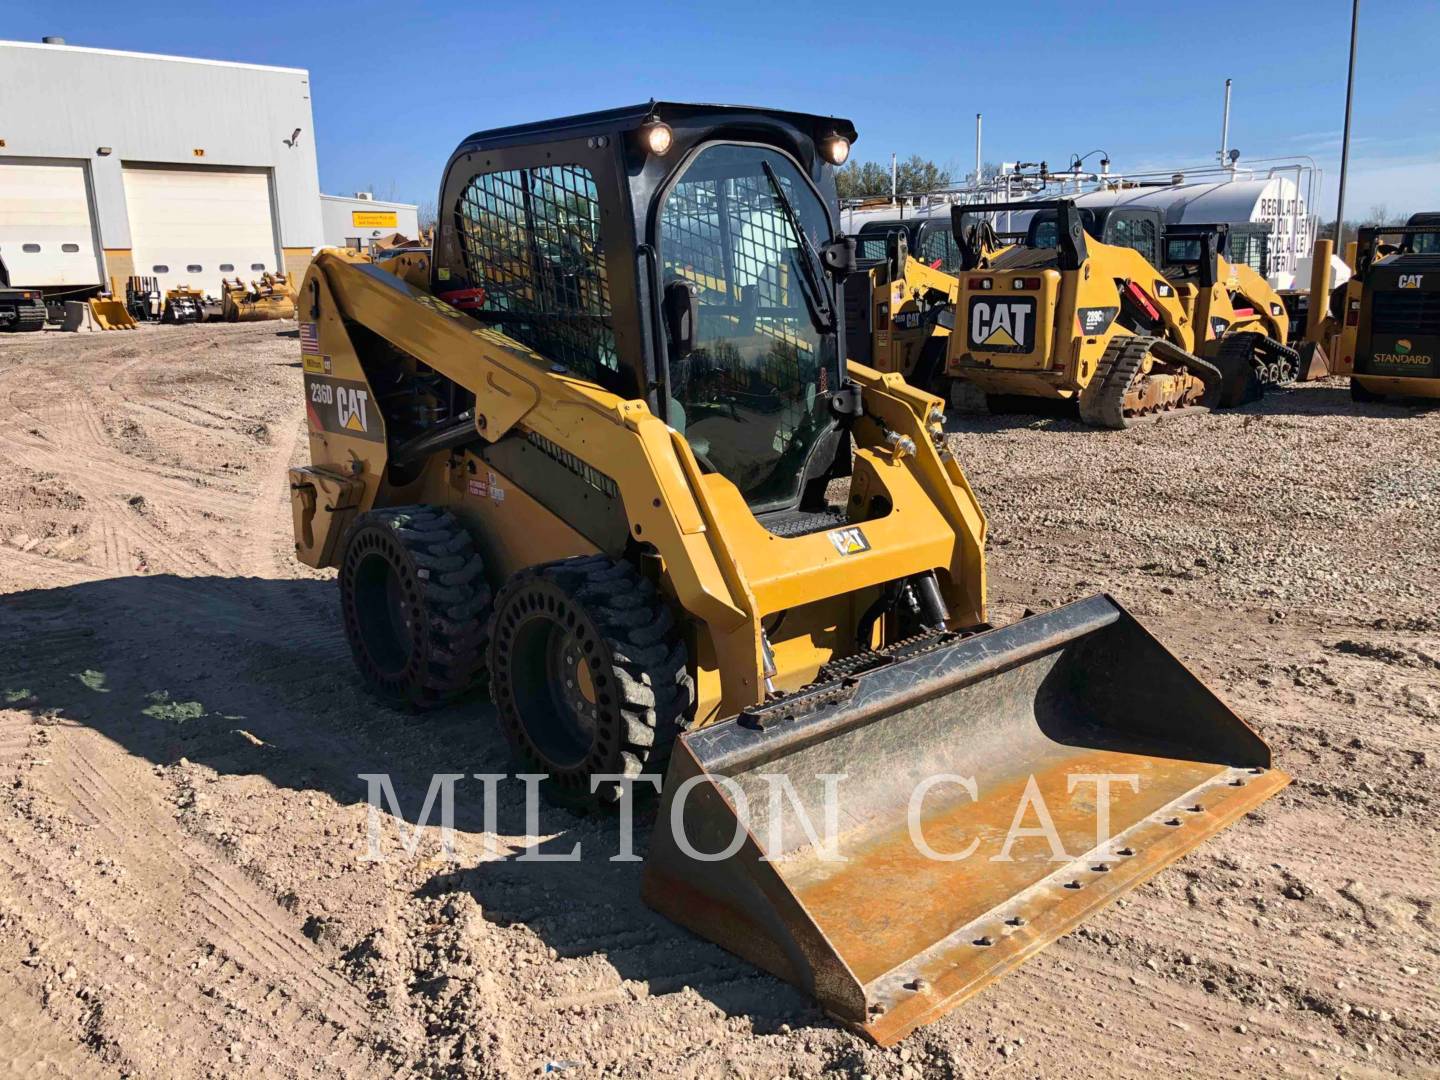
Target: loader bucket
1314, 364
111, 315
951, 752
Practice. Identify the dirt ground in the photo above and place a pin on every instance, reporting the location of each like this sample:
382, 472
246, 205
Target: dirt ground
181, 885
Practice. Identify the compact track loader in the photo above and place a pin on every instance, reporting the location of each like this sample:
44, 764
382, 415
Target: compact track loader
1108, 309
21, 310
1241, 302
610, 453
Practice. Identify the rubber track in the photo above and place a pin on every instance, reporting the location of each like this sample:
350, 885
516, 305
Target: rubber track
29, 318
650, 662
1236, 351
1102, 401
1270, 351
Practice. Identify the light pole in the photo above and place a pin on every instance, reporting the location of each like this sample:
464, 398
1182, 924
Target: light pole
1345, 138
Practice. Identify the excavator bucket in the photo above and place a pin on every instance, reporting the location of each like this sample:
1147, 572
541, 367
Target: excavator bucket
110, 315
989, 794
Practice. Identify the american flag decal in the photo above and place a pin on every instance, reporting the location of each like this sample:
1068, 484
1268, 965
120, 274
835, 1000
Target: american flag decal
309, 337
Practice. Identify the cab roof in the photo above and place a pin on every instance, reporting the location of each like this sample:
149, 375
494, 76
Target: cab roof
629, 117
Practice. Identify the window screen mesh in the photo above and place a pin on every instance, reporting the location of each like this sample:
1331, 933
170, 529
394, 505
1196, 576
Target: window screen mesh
531, 239
729, 236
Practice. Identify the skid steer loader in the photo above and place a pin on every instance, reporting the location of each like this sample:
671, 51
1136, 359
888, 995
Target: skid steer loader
635, 481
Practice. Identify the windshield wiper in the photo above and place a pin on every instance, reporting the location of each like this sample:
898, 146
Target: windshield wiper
821, 313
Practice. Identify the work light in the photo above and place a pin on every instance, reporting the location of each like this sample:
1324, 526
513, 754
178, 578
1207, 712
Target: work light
836, 149
658, 137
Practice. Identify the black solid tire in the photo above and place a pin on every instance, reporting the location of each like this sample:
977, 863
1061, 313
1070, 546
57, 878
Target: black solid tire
415, 603
930, 366
599, 613
1363, 394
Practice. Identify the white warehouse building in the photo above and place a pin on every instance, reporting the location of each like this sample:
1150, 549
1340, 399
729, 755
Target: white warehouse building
115, 164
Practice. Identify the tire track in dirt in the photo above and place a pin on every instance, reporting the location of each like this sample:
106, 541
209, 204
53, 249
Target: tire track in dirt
185, 892
34, 1046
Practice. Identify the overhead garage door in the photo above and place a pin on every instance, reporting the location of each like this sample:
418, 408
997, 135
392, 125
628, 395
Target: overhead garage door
196, 226
46, 233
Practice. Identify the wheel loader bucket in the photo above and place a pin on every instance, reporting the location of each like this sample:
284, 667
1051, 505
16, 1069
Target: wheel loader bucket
993, 791
111, 315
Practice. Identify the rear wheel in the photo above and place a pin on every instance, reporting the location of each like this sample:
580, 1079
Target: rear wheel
588, 675
415, 603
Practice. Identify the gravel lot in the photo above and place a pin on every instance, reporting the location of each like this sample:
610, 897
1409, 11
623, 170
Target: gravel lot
181, 888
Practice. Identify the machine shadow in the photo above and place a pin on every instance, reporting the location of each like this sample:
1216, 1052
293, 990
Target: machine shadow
249, 676
252, 677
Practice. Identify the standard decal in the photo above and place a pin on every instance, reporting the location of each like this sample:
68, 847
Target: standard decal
1218, 326
343, 407
1164, 288
998, 325
1404, 357
1276, 309
1411, 281
849, 541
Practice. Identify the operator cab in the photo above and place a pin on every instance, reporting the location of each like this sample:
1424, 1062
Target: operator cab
1119, 226
928, 239
688, 255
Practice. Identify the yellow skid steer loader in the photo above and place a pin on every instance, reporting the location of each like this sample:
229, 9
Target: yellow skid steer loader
612, 453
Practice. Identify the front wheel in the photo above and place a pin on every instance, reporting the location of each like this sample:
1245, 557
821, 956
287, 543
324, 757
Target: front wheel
588, 675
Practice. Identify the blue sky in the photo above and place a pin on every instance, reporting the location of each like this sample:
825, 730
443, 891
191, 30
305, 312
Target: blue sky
397, 84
